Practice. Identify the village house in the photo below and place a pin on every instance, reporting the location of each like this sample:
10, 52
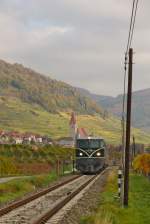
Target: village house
38, 139
4, 137
14, 137
47, 140
66, 141
27, 138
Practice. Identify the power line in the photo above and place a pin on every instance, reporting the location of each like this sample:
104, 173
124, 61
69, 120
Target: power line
123, 107
129, 41
125, 133
131, 23
136, 8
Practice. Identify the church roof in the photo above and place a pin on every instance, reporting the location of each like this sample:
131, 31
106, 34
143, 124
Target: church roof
81, 132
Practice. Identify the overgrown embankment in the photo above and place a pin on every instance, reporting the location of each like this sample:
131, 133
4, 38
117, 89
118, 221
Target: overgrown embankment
47, 161
31, 159
110, 211
19, 187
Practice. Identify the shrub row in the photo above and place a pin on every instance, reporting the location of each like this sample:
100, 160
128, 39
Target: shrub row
15, 159
141, 164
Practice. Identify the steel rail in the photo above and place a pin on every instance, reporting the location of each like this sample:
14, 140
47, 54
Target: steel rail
22, 202
44, 218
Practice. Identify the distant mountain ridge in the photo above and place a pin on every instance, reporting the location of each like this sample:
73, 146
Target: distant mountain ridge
140, 106
97, 98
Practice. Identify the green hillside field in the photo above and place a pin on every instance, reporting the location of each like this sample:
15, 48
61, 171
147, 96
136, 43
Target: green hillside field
24, 117
31, 102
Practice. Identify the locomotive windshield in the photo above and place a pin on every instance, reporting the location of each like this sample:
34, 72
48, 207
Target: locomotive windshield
90, 143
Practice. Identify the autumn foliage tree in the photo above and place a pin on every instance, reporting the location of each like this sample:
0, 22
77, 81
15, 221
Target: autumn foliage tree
7, 166
142, 163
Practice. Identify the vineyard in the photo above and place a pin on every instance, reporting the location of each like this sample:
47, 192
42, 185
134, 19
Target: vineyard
29, 159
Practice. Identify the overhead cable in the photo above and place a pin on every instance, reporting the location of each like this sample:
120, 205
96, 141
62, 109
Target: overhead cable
129, 42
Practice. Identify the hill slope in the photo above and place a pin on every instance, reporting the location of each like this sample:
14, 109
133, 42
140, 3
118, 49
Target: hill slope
35, 103
32, 87
140, 107
25, 117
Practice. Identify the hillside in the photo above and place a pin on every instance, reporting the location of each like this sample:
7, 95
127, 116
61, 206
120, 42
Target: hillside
25, 117
31, 102
140, 107
33, 88
104, 101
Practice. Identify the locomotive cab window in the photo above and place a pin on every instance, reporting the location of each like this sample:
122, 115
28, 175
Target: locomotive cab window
94, 143
90, 143
83, 144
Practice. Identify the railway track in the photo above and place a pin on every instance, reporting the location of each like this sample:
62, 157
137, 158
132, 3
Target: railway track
28, 212
60, 204
20, 203
43, 208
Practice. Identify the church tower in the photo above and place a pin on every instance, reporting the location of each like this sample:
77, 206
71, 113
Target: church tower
73, 126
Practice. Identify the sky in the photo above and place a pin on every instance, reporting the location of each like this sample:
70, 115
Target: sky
81, 42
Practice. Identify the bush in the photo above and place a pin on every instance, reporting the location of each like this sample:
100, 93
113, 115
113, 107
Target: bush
142, 163
42, 180
7, 166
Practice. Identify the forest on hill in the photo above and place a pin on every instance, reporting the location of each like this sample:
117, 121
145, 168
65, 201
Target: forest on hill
31, 87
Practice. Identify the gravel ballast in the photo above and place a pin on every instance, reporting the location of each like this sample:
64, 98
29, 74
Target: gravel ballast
82, 205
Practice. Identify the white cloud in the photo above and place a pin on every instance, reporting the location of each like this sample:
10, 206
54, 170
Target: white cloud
79, 41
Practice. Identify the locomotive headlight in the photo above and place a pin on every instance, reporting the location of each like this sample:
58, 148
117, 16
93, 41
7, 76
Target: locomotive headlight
81, 154
98, 153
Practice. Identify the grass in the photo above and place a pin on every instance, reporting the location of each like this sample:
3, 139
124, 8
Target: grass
24, 117
18, 187
110, 129
110, 211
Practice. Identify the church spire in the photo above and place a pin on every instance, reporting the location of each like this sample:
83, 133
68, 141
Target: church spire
73, 126
73, 120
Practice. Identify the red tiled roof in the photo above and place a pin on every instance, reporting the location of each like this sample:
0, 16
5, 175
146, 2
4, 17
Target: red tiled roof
82, 132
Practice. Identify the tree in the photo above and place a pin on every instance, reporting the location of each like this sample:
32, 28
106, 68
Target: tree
142, 163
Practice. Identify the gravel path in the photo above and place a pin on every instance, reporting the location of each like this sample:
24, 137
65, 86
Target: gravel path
7, 179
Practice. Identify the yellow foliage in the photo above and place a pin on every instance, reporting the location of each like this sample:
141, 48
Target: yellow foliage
7, 166
142, 163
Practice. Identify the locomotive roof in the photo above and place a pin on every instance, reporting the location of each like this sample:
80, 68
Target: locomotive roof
91, 137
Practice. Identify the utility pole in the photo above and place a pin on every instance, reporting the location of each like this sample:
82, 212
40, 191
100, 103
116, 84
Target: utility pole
132, 151
128, 129
134, 147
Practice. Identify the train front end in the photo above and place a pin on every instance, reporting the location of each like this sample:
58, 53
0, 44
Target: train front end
90, 155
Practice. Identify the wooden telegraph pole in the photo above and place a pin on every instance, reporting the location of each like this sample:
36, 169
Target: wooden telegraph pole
128, 127
134, 147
